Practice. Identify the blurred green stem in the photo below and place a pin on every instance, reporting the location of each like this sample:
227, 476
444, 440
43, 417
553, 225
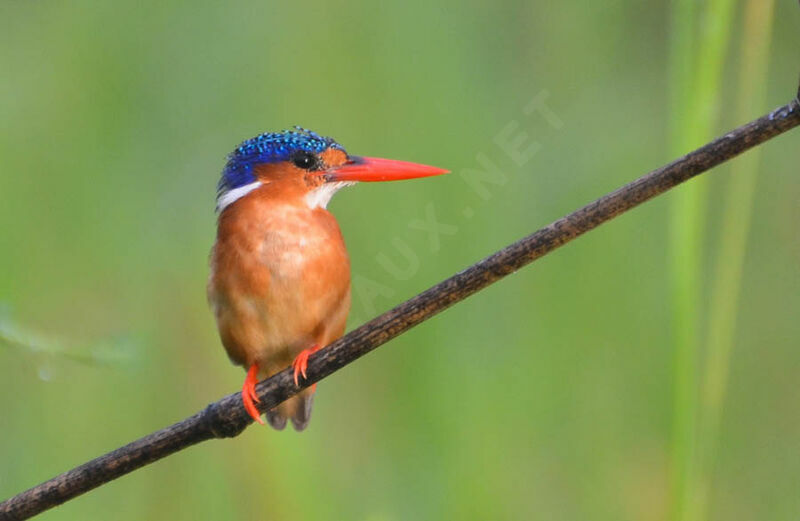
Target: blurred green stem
731, 252
683, 14
695, 70
110, 352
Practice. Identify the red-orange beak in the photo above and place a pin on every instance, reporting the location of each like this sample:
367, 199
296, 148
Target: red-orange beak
360, 168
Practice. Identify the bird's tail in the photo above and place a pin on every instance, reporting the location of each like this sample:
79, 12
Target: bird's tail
297, 408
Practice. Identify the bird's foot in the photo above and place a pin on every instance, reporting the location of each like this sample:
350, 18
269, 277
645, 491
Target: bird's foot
249, 394
300, 363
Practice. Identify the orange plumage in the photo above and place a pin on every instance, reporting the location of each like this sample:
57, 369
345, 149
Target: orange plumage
280, 274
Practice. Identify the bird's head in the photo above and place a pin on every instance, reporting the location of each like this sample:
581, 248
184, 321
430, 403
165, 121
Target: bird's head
307, 165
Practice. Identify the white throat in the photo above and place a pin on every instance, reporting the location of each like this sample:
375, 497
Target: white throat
234, 195
320, 196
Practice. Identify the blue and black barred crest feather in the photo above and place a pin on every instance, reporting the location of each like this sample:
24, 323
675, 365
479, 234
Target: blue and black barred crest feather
271, 147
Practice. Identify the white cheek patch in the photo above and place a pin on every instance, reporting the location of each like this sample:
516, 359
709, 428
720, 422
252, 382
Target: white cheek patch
320, 196
233, 195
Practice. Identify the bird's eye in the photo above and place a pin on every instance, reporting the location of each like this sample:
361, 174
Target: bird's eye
305, 160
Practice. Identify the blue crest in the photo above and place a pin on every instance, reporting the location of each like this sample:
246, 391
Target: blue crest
271, 147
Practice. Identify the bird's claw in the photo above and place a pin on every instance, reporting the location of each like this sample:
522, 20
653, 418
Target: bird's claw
249, 395
300, 363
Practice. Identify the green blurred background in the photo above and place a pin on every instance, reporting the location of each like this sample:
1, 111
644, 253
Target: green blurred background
548, 396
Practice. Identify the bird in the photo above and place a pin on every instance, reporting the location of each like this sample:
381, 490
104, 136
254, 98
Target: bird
279, 281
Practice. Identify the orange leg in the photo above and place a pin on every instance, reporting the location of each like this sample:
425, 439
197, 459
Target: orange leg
300, 363
249, 394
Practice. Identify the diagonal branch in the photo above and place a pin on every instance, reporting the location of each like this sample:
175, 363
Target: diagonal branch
227, 417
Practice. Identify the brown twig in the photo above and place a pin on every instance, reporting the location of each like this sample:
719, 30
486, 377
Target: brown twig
227, 418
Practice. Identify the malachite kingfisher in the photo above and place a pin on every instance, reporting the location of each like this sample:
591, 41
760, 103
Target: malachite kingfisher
279, 285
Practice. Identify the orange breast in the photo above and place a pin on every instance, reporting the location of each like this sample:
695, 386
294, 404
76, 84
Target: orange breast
280, 279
